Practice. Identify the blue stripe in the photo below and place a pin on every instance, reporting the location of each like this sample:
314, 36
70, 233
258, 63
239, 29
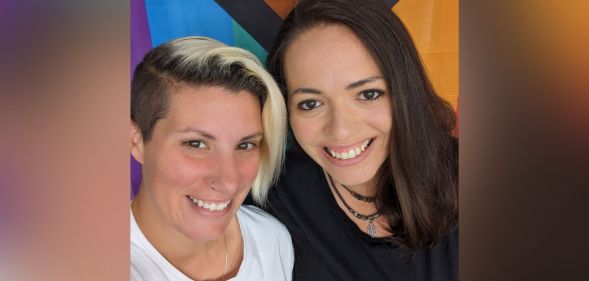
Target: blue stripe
171, 19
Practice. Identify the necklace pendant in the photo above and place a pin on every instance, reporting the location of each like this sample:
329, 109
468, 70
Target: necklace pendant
371, 229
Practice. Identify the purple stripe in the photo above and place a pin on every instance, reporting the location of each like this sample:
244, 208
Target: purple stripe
140, 45
140, 38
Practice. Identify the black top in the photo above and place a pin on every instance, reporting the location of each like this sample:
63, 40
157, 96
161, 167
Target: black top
329, 246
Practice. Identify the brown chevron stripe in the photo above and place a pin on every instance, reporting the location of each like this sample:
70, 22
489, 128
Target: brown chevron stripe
281, 7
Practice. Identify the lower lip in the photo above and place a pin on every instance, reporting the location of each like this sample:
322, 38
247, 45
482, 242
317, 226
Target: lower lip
350, 162
208, 212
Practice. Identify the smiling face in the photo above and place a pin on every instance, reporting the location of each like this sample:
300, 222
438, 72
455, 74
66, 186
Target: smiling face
339, 105
210, 135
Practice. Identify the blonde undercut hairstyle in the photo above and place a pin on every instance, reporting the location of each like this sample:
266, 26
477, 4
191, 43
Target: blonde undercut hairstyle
200, 61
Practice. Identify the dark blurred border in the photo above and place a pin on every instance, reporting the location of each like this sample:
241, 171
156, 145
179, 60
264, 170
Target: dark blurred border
524, 140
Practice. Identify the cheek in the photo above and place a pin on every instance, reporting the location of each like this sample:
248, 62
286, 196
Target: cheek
177, 171
304, 129
383, 117
385, 122
248, 168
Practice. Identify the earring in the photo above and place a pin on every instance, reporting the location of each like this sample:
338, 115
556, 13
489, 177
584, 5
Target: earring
212, 185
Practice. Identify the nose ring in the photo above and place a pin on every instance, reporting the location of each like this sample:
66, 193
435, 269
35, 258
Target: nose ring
212, 185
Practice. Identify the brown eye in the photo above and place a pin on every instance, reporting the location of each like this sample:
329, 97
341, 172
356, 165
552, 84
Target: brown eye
309, 104
195, 144
371, 94
246, 146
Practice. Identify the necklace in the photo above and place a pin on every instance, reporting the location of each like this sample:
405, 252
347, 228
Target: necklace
226, 257
358, 196
370, 218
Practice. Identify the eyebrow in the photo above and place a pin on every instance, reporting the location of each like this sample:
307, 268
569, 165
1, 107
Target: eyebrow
306, 91
194, 130
211, 137
362, 82
352, 85
253, 136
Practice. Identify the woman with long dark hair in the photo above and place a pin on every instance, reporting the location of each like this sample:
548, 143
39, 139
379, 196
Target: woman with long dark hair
371, 193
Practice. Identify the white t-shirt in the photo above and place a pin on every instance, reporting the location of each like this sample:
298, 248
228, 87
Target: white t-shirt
267, 251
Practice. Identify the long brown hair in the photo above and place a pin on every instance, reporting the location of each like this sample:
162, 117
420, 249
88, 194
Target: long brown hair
418, 183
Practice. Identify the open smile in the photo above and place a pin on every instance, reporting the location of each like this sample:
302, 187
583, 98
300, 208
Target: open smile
348, 153
211, 206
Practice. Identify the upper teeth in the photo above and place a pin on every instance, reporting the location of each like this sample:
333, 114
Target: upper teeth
208, 205
352, 153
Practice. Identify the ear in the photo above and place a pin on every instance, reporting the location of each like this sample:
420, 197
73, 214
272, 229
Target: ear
136, 143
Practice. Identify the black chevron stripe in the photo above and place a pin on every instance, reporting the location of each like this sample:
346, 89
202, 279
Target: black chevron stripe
256, 17
391, 3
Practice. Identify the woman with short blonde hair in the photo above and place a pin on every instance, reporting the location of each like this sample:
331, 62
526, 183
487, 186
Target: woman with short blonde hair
208, 126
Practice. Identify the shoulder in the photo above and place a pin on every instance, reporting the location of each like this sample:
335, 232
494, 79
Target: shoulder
297, 185
261, 223
444, 257
146, 263
264, 234
268, 251
452, 239
447, 248
300, 172
297, 161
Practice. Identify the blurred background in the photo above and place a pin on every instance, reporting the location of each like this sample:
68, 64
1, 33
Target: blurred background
524, 132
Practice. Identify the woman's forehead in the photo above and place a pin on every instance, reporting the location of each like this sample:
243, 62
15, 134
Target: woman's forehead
214, 110
328, 56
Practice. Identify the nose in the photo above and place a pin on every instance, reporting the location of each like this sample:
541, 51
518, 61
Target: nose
225, 176
342, 122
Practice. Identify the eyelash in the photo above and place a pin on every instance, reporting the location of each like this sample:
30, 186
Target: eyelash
377, 94
195, 144
251, 146
308, 105
304, 105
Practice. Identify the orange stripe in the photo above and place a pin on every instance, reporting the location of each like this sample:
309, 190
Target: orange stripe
281, 7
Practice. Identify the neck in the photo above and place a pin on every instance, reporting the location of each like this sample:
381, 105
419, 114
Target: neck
185, 254
362, 213
367, 189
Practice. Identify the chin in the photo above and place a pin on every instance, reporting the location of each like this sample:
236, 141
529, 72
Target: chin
201, 233
352, 177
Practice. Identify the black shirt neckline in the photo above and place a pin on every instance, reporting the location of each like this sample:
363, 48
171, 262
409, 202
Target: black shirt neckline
326, 191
